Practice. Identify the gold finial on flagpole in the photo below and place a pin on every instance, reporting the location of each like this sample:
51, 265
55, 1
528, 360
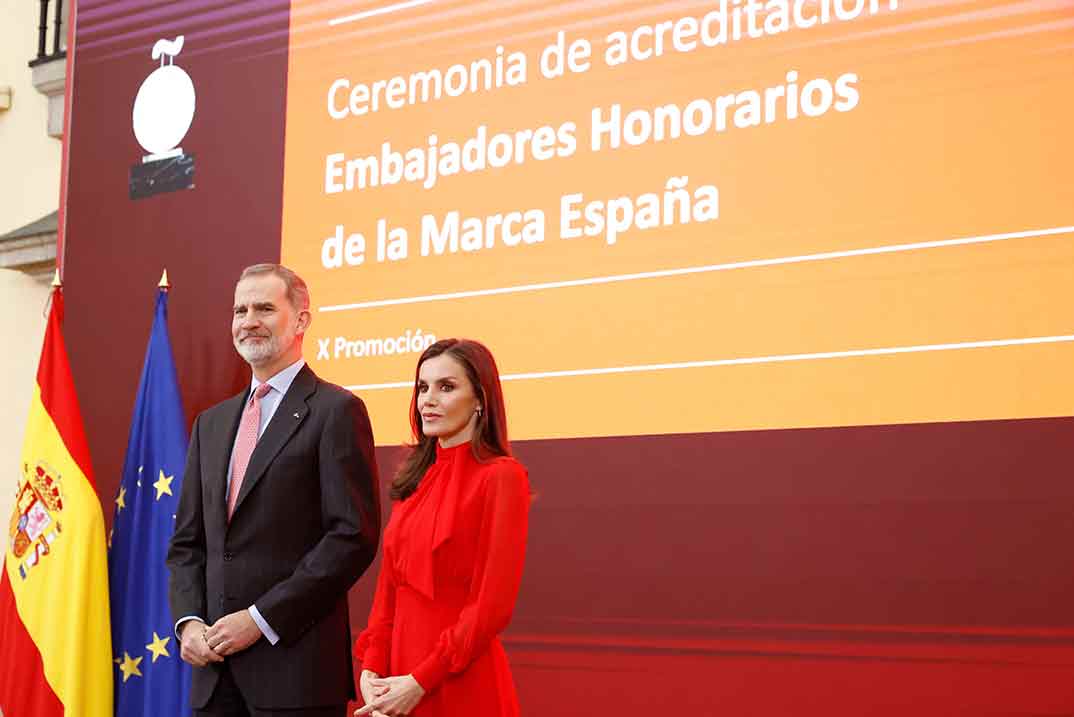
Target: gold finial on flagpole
56, 283
164, 281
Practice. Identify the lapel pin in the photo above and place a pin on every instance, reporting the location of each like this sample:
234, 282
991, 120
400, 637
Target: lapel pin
297, 415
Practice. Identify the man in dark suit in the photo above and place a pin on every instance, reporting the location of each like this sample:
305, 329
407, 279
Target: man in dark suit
278, 517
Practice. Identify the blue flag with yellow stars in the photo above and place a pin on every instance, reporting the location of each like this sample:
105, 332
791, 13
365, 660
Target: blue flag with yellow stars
150, 677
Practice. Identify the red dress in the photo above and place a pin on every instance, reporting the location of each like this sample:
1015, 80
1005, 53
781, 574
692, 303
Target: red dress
453, 553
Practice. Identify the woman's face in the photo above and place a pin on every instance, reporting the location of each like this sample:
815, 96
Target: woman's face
447, 401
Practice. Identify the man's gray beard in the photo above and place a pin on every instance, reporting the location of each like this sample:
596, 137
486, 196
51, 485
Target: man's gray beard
260, 352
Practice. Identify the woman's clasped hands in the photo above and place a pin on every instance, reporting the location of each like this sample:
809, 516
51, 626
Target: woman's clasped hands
388, 696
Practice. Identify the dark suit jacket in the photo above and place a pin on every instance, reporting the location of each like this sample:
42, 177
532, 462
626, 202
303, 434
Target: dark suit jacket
305, 527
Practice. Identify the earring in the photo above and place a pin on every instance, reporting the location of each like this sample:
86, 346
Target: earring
478, 411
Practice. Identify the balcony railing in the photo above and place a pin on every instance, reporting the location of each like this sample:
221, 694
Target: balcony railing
59, 43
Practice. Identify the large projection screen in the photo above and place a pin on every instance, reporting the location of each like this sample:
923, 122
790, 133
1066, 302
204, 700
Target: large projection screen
782, 294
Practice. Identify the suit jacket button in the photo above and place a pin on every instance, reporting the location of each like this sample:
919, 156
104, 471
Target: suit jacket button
227, 556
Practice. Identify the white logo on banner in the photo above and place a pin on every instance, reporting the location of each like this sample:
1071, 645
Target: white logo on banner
164, 107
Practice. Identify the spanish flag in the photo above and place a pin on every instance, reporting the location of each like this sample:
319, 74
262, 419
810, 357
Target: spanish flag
55, 639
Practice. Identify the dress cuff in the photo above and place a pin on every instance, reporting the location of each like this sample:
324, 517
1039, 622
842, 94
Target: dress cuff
262, 625
375, 662
431, 672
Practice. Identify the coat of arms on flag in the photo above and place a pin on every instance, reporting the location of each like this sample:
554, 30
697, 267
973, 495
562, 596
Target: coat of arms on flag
35, 523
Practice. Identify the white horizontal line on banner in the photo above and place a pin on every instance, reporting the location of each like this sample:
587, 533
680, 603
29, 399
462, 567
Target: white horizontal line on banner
753, 263
779, 358
377, 11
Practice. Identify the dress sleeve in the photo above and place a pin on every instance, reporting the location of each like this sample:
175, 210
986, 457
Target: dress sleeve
372, 649
500, 552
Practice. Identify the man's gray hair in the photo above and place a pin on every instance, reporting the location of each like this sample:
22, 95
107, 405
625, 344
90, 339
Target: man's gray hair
297, 291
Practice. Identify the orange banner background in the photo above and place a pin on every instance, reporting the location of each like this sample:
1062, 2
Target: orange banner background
961, 132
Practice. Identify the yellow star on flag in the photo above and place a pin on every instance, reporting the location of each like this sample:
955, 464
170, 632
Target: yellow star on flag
158, 647
129, 666
120, 500
164, 485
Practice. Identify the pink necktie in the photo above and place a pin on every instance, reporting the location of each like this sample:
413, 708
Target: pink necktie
244, 444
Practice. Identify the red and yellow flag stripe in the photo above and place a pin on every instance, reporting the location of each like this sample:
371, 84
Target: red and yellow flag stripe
55, 639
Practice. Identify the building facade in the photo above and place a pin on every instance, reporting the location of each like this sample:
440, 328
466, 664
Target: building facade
32, 67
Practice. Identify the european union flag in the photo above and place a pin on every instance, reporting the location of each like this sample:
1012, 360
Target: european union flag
150, 677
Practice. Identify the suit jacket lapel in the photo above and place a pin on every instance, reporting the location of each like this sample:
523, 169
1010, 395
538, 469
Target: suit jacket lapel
289, 416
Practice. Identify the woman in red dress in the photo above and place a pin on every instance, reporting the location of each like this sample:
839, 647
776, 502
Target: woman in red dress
453, 550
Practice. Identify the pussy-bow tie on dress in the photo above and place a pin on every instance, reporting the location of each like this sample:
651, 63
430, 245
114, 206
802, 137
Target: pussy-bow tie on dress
440, 490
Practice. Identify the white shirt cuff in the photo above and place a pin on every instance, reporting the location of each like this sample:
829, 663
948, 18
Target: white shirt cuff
265, 628
180, 621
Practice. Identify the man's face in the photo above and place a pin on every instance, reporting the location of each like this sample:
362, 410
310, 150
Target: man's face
264, 325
